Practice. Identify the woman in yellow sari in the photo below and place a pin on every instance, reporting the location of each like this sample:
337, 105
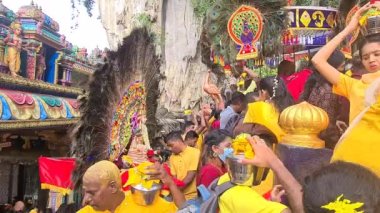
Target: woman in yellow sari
360, 144
13, 42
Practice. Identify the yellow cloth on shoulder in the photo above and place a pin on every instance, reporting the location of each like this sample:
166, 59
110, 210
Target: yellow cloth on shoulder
199, 143
354, 90
245, 199
362, 144
128, 205
264, 114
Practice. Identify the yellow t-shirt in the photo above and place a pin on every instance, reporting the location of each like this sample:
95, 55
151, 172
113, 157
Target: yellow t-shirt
361, 145
354, 91
128, 205
245, 199
181, 164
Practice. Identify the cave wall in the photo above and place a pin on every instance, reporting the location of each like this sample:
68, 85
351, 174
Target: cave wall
178, 32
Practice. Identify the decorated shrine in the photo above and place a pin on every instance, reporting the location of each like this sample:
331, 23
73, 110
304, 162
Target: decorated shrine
128, 120
41, 76
259, 34
309, 28
238, 33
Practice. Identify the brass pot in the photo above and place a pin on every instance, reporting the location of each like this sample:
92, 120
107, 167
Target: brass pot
143, 196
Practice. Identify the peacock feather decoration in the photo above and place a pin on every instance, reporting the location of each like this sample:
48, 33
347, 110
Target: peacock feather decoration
92, 135
216, 37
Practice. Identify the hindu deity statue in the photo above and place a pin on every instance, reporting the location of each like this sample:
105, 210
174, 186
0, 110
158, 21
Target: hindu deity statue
247, 37
13, 43
41, 65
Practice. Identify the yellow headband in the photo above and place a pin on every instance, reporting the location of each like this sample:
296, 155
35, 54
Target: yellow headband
341, 205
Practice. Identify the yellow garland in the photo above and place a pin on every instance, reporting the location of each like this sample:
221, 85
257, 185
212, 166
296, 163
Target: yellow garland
137, 176
241, 145
371, 12
341, 205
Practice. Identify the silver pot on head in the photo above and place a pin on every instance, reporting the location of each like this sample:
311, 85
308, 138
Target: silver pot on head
143, 196
240, 173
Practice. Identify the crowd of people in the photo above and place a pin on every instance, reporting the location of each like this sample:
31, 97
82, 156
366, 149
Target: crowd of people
197, 174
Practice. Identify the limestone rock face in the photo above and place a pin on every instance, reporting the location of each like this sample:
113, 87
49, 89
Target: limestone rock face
178, 32
119, 17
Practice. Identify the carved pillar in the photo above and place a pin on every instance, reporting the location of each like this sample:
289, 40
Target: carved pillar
32, 46
63, 79
68, 76
2, 50
31, 64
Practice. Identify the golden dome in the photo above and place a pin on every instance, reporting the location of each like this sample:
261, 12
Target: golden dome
302, 124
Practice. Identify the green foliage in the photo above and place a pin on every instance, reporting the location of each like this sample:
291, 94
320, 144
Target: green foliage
265, 71
143, 20
330, 3
201, 7
302, 2
88, 4
324, 3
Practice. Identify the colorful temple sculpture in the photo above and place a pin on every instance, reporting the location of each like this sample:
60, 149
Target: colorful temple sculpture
41, 77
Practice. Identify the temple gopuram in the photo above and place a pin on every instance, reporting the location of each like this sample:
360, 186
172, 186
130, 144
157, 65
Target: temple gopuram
41, 77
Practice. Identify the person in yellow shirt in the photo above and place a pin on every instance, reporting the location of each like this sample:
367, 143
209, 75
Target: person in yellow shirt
243, 198
183, 163
343, 85
191, 138
353, 147
103, 191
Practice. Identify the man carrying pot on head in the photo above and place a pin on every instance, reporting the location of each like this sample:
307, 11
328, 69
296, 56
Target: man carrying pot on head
103, 191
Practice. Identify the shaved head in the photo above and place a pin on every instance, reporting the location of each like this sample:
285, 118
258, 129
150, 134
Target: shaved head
102, 186
103, 171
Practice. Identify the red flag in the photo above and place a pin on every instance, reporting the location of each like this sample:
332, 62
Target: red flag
55, 174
